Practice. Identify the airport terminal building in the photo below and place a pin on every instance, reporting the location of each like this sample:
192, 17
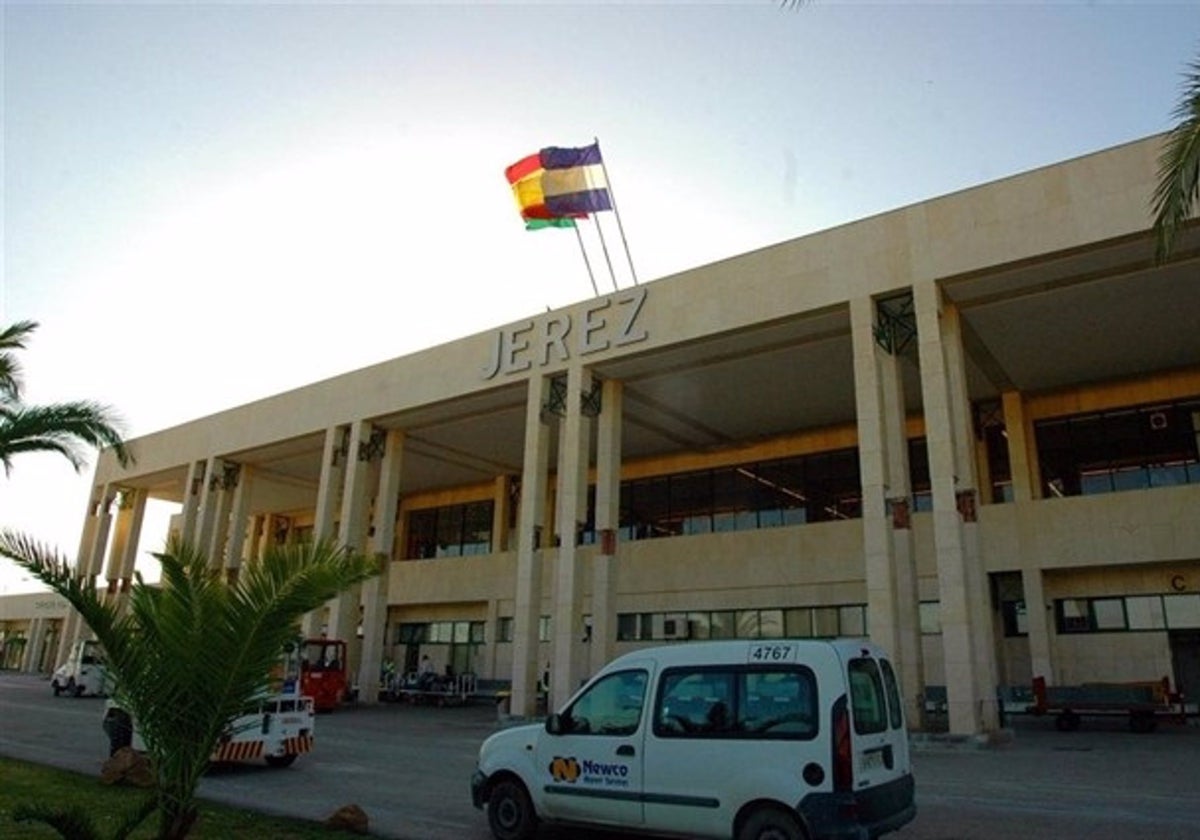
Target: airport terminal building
967, 428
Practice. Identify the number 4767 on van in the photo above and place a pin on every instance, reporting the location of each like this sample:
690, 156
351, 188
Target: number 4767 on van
780, 740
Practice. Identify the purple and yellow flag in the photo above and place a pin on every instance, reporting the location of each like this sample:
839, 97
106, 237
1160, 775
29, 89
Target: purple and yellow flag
558, 185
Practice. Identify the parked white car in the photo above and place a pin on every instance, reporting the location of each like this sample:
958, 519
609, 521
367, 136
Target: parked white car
755, 740
83, 673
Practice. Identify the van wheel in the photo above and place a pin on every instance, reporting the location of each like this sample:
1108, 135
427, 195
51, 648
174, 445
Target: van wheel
281, 760
510, 812
771, 824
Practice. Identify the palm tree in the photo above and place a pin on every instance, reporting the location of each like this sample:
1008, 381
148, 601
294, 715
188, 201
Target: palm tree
190, 655
64, 428
12, 338
1179, 166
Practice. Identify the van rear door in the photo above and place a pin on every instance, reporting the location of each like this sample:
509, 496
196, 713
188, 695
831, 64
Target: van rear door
879, 736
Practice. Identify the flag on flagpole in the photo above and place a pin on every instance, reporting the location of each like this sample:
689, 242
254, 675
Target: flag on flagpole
558, 184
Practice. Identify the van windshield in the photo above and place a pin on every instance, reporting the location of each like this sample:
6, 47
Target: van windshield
867, 699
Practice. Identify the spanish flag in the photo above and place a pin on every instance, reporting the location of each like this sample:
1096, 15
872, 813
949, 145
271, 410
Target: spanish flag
557, 185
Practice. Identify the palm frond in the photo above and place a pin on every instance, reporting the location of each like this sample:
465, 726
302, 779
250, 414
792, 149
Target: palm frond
13, 338
1179, 167
72, 822
63, 428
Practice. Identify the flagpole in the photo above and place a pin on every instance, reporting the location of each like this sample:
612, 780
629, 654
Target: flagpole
620, 227
604, 247
586, 261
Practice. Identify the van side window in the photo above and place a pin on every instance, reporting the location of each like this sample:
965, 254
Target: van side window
893, 693
867, 702
779, 704
612, 706
695, 702
736, 702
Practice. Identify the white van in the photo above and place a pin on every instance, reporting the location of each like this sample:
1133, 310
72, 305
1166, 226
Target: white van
786, 739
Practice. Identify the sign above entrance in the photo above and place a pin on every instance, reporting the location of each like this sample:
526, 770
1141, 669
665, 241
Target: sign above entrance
607, 322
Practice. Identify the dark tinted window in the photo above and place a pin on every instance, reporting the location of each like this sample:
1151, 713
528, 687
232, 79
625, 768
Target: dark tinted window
867, 702
893, 694
737, 702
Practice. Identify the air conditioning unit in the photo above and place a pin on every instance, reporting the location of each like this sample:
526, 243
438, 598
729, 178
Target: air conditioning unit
675, 628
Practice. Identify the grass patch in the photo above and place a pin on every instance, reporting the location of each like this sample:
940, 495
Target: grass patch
23, 783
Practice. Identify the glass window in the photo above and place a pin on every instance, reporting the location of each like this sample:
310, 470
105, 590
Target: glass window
1073, 615
1109, 613
504, 629
675, 626
627, 624
611, 706
691, 502
867, 697
544, 628
723, 625
1145, 613
462, 632
798, 623
930, 613
477, 528
1126, 449
747, 624
1016, 622
852, 621
698, 625
695, 703
825, 622
1183, 611
449, 531
893, 694
770, 624
422, 534
778, 704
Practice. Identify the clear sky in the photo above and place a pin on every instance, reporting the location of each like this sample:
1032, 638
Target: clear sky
207, 204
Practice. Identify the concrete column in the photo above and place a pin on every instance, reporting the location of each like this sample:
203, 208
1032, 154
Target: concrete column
352, 533
129, 520
1020, 456
568, 664
969, 497
31, 656
260, 536
99, 547
329, 491
528, 595
1038, 618
192, 495
238, 519
608, 514
873, 463
210, 501
90, 565
229, 479
892, 602
120, 543
487, 668
382, 546
86, 538
899, 488
501, 509
969, 665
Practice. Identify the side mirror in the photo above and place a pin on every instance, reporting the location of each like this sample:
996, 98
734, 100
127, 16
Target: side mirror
554, 724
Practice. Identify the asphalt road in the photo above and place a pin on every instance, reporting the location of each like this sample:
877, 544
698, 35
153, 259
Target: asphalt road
408, 768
